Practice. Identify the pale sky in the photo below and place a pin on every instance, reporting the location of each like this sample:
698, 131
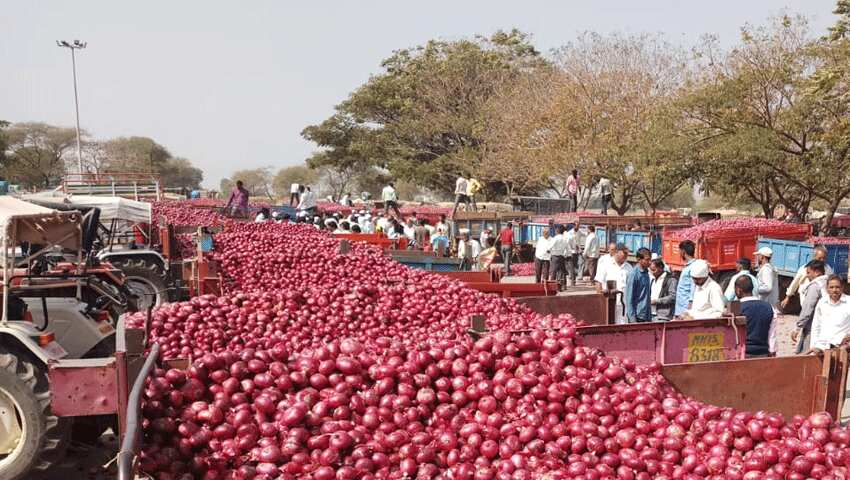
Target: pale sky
230, 85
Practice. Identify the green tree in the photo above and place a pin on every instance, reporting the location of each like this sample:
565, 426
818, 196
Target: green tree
258, 181
179, 172
135, 154
769, 95
423, 117
38, 151
286, 176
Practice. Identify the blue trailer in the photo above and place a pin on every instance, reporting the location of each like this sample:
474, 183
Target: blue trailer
790, 255
636, 240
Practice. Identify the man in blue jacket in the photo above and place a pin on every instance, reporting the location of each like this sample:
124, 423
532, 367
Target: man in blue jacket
685, 289
636, 295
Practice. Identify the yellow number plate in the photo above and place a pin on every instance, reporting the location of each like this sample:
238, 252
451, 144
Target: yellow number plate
706, 347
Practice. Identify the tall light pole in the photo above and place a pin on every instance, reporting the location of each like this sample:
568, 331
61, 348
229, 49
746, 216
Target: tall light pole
76, 45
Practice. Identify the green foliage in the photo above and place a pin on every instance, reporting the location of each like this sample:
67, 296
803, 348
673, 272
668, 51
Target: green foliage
178, 172
37, 158
135, 154
424, 116
286, 176
258, 181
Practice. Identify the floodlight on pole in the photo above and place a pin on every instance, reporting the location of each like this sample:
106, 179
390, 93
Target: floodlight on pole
76, 45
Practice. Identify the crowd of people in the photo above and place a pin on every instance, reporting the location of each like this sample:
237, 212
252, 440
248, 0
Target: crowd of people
648, 291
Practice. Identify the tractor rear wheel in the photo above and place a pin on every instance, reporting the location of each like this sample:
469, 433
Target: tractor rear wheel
145, 280
31, 437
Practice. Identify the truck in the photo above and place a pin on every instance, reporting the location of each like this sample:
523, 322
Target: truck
790, 255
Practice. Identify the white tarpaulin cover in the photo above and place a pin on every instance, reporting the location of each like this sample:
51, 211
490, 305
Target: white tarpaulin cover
110, 207
37, 224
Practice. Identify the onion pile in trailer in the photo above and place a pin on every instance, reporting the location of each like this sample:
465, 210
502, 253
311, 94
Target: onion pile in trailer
327, 366
739, 226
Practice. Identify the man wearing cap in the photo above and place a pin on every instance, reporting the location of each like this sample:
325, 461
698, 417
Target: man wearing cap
708, 301
801, 279
742, 268
768, 279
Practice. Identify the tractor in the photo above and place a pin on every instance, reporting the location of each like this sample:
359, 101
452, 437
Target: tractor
51, 343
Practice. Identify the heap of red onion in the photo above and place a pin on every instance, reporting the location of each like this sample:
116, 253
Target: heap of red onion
327, 366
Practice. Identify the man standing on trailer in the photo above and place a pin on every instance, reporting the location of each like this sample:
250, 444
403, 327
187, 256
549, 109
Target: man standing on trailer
685, 288
237, 204
637, 293
294, 194
606, 191
461, 186
390, 198
591, 252
506, 240
768, 286
572, 190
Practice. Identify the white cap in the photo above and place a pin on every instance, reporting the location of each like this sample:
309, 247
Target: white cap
362, 212
764, 252
654, 256
463, 231
699, 269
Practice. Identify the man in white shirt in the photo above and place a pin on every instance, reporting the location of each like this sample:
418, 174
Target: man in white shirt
570, 256
591, 251
708, 300
606, 191
801, 280
294, 194
468, 250
616, 270
542, 255
461, 186
831, 325
768, 286
557, 267
602, 264
308, 201
390, 199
